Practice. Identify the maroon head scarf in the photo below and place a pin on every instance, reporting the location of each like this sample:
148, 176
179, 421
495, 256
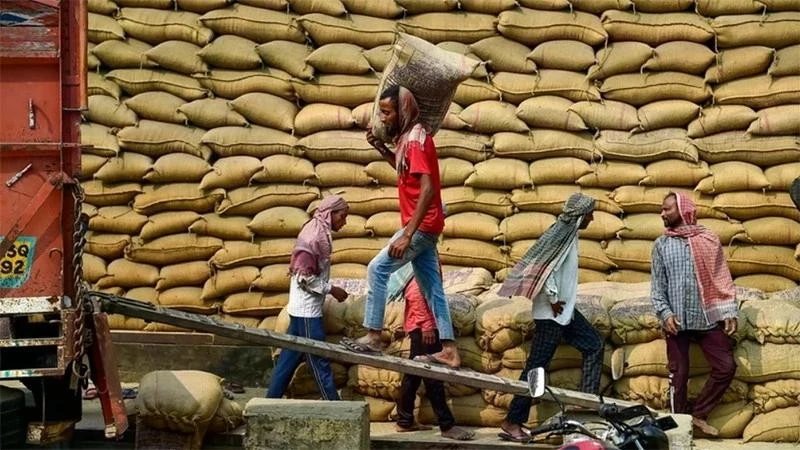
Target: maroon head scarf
314, 241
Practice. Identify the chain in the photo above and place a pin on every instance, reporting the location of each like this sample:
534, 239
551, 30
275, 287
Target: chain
81, 307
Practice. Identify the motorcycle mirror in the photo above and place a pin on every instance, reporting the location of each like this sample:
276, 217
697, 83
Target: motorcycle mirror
536, 382
618, 364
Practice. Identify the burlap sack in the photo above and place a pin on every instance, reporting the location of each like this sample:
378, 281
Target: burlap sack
550, 111
564, 55
679, 56
655, 29
713, 8
189, 299
758, 92
465, 199
322, 117
775, 121
634, 321
781, 425
454, 171
503, 323
748, 259
94, 267
611, 174
675, 172
158, 139
173, 249
524, 225
500, 174
102, 28
254, 141
768, 362
651, 359
229, 281
257, 24
229, 228
543, 143
109, 111
338, 145
547, 198
255, 304
337, 174
604, 226
258, 253
618, 58
776, 30
772, 231
472, 253
354, 228
643, 226
117, 219
374, 382
654, 391
100, 194
182, 400
472, 147
120, 322
228, 415
739, 63
288, 56
565, 357
97, 84
127, 274
177, 56
667, 114
444, 26
284, 169
786, 62
280, 221
608, 115
504, 55
765, 282
251, 200
471, 410
774, 321
231, 52
639, 89
759, 150
384, 224
136, 81
361, 30
516, 88
102, 141
234, 83
127, 54
774, 395
193, 273
467, 281
303, 382
159, 106
106, 246
642, 199
178, 168
356, 250
532, 27
716, 119
491, 116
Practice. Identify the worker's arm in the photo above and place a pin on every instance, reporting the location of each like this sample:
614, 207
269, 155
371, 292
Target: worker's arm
387, 154
658, 291
400, 245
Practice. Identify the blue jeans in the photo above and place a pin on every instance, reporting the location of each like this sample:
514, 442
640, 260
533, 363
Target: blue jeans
425, 260
308, 327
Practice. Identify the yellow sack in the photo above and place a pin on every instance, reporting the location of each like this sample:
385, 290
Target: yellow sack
183, 401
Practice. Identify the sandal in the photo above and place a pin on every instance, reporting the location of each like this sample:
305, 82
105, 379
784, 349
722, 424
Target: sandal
90, 393
234, 387
459, 434
359, 347
431, 359
524, 438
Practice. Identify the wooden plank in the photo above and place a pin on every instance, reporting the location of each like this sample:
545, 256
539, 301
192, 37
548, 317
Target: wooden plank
336, 352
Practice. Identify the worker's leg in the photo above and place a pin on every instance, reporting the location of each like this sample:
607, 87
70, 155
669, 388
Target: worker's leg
678, 365
582, 335
320, 367
434, 390
287, 363
410, 384
429, 276
718, 348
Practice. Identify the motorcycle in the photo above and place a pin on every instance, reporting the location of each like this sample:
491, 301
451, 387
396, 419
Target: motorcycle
630, 428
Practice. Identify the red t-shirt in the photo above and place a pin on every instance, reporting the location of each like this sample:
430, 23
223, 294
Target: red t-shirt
417, 313
421, 159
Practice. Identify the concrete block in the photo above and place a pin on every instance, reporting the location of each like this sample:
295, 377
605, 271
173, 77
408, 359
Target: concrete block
279, 424
681, 438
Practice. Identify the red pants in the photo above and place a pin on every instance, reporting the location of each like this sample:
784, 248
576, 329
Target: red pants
718, 349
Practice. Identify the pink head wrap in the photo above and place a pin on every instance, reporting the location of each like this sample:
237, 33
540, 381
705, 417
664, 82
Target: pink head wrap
314, 241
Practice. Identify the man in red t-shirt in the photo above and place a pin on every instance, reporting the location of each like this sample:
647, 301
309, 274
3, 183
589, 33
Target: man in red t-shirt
419, 190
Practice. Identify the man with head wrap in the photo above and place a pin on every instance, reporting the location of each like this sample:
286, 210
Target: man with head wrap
419, 191
310, 268
695, 300
548, 275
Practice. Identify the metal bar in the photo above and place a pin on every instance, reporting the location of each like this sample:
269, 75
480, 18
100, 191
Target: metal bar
27, 215
146, 311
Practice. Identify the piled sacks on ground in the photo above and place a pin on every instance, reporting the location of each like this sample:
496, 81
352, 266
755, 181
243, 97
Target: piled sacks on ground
494, 337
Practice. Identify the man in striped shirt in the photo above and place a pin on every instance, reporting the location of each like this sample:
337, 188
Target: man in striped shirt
694, 298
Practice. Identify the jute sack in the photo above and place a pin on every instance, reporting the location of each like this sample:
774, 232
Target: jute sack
386, 9
127, 166
180, 400
731, 418
155, 26
106, 246
175, 197
345, 90
357, 29
280, 114
338, 145
757, 92
550, 111
472, 147
504, 55
759, 150
634, 321
472, 90
503, 323
178, 168
675, 172
99, 194
651, 359
101, 139
349, 270
739, 63
558, 170
354, 318
781, 425
251, 141
532, 27
655, 29
786, 62
374, 382
680, 56
776, 30
336, 174
608, 115
713, 8
565, 357
471, 225
284, 169
256, 304
654, 391
592, 256
235, 83
381, 173
343, 59
96, 84
462, 312
472, 253
229, 281
775, 321
777, 120
768, 362
618, 58
287, 56
333, 312
259, 253
178, 56
454, 171
564, 55
590, 276
356, 250
379, 409
642, 199
517, 251
491, 116
633, 254
753, 205
667, 114
157, 139
476, 359
547, 198
469, 281
127, 54
322, 117
231, 52
611, 174
229, 228
102, 28
542, 143
231, 172
136, 81
772, 231
144, 294
648, 146
229, 413
765, 282
247, 322
379, 57
524, 225
212, 113
423, 6
193, 273
355, 227
280, 221
187, 298
733, 176
639, 89
774, 395
383, 224
748, 259
102, 7
445, 26
173, 249
304, 383
430, 73
334, 8
367, 201
110, 112
127, 274
257, 24
501, 174
250, 201
200, 7
628, 276
117, 219
158, 106
655, 6
470, 410
643, 226
274, 277
516, 88
94, 268
464, 199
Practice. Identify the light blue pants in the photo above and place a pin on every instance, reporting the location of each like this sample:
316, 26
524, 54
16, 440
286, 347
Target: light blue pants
424, 258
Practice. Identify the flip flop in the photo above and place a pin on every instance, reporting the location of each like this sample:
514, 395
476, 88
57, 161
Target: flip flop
358, 347
511, 438
234, 387
431, 359
90, 393
464, 435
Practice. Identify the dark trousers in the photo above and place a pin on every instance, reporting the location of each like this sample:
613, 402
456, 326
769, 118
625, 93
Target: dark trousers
718, 349
547, 335
434, 389
308, 327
